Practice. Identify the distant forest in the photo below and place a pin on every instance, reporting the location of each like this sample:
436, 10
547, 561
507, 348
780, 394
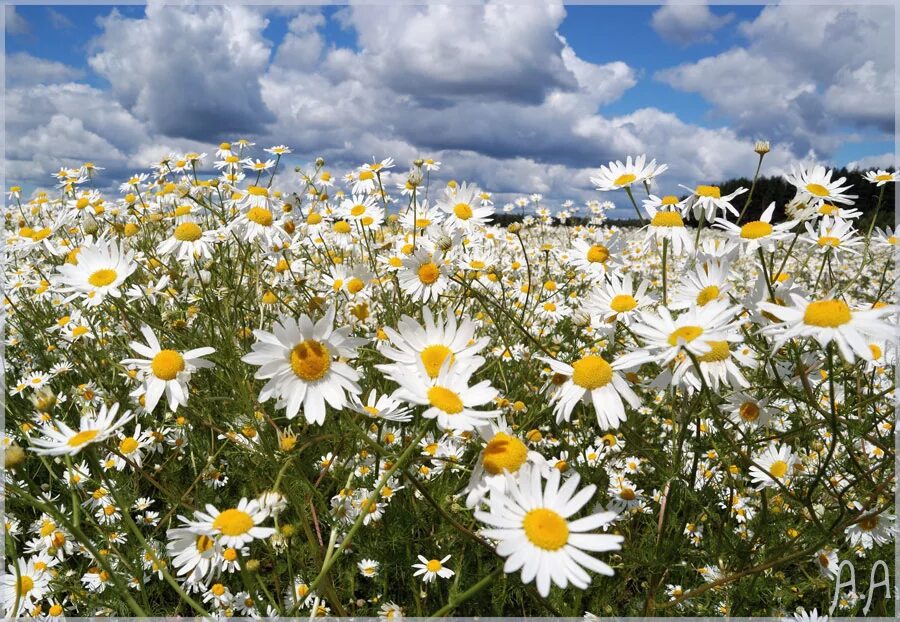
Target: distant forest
776, 189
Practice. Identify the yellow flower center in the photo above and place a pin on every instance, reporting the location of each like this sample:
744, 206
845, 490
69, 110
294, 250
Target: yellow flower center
203, 543
433, 565
719, 352
26, 584
355, 285
627, 494
366, 175
597, 254
218, 589
445, 399
188, 232
827, 313
229, 554
429, 273
167, 364
670, 199
778, 469
622, 303
82, 438
667, 219
463, 211
876, 351
749, 411
233, 522
817, 190
128, 445
260, 216
707, 294
711, 192
56, 610
868, 523
624, 180
358, 210
314, 218
504, 453
591, 372
546, 529
756, 229
310, 360
79, 331
433, 358
102, 277
687, 333
827, 209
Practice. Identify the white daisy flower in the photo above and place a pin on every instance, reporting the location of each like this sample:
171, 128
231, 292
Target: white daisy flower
431, 568
100, 269
92, 428
236, 526
775, 465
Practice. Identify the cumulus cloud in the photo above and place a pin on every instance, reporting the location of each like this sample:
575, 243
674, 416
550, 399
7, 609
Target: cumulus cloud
882, 161
685, 24
15, 23
58, 20
804, 72
188, 71
24, 69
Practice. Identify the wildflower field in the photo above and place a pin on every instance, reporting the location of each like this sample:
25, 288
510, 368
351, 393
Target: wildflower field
269, 391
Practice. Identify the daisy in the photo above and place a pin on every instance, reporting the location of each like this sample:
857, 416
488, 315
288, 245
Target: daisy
617, 300
828, 320
92, 428
22, 584
816, 185
384, 407
775, 465
881, 177
706, 284
871, 530
368, 568
827, 562
300, 361
236, 526
719, 366
666, 337
668, 225
188, 242
707, 200
431, 568
504, 453
596, 257
165, 371
100, 269
362, 209
531, 524
449, 397
617, 175
464, 208
747, 412
758, 233
592, 379
833, 236
423, 276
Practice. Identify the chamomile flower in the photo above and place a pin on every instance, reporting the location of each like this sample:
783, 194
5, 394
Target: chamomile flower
669, 225
828, 320
815, 184
234, 527
773, 467
503, 453
188, 242
596, 257
591, 379
832, 235
708, 201
22, 585
532, 525
617, 175
384, 407
100, 270
464, 208
60, 439
424, 276
881, 177
448, 397
758, 233
300, 361
368, 568
617, 300
165, 370
429, 569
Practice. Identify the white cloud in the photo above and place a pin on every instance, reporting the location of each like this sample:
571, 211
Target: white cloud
685, 24
24, 69
188, 71
58, 20
805, 72
15, 23
882, 161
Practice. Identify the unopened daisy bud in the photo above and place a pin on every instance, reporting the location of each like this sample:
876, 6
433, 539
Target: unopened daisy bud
762, 147
320, 161
13, 457
581, 318
214, 183
515, 227
252, 565
444, 243
288, 530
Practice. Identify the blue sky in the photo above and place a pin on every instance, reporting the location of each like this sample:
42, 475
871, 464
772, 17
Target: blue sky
538, 98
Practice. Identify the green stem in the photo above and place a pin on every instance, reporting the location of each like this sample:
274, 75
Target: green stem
469, 593
752, 188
